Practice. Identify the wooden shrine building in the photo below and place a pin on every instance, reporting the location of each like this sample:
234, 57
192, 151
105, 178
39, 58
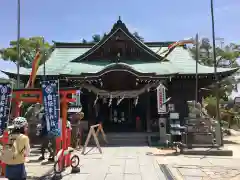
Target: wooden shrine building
118, 77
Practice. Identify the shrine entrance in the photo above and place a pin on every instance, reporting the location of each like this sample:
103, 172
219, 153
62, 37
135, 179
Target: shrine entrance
120, 117
118, 97
118, 113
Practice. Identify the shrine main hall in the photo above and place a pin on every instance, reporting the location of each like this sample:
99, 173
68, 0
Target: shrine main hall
118, 77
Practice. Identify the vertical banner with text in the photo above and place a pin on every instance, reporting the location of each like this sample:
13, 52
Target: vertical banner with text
51, 105
161, 98
5, 103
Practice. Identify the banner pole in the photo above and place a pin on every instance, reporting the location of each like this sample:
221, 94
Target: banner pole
59, 100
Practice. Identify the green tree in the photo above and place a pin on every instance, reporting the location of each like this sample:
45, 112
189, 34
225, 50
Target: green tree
84, 41
204, 52
28, 49
96, 38
229, 53
136, 35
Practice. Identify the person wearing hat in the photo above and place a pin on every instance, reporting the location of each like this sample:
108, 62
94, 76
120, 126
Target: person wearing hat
16, 150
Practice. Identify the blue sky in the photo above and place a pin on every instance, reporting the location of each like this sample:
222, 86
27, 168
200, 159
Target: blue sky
155, 20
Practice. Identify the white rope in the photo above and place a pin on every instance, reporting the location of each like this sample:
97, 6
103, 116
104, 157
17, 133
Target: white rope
120, 100
110, 101
95, 102
116, 94
136, 101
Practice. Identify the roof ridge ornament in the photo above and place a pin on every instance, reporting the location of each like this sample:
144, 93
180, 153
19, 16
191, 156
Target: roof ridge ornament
119, 24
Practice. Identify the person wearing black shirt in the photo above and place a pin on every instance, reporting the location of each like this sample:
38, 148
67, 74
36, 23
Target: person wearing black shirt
45, 141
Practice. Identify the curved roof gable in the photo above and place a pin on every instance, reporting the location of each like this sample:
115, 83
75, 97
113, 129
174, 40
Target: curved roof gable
119, 26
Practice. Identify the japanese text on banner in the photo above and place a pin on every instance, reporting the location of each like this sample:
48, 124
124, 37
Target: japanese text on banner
5, 94
51, 104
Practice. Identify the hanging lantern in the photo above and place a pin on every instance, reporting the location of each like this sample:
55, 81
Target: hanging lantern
161, 98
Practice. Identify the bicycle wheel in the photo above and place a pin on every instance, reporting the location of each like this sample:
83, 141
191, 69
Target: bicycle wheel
75, 160
56, 168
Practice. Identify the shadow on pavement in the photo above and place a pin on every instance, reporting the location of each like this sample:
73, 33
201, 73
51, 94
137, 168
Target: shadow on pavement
230, 142
163, 152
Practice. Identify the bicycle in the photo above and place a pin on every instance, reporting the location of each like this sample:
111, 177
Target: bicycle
74, 161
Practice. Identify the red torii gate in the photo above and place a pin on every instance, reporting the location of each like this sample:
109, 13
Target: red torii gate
65, 98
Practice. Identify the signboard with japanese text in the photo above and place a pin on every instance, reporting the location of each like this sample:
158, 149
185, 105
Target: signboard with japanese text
161, 98
5, 103
50, 91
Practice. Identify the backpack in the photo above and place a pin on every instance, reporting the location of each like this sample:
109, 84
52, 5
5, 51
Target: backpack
10, 150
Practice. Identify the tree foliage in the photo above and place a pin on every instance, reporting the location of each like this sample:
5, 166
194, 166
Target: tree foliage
28, 49
229, 53
137, 35
96, 38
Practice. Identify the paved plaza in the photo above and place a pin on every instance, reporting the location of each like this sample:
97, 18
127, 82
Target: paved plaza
118, 163
144, 163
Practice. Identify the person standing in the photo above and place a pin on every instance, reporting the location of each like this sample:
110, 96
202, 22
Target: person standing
46, 141
16, 150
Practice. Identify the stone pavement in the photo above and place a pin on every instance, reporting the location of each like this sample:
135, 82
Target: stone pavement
36, 169
144, 163
202, 168
118, 163
205, 168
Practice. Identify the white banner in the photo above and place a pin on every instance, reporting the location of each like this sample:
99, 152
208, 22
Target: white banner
161, 98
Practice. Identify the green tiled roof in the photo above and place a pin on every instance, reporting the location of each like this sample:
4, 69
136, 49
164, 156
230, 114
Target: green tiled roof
59, 58
183, 60
71, 58
94, 67
180, 61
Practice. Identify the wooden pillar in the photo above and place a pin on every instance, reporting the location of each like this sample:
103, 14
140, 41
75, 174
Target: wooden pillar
64, 122
17, 103
91, 113
148, 114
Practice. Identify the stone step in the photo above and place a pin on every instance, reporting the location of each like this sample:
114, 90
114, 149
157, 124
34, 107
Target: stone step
128, 135
124, 139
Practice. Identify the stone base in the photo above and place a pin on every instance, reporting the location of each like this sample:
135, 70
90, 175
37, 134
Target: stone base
207, 152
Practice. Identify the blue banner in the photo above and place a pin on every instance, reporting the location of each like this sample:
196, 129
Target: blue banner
50, 91
5, 99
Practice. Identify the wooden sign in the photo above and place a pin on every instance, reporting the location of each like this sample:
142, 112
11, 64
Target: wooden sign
94, 133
